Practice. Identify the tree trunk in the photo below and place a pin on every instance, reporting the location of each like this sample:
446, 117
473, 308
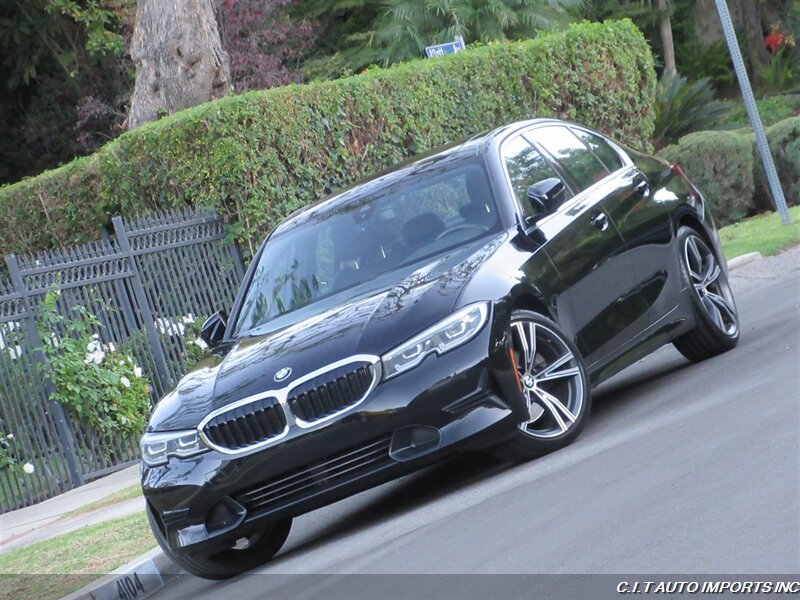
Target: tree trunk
665, 27
178, 56
757, 54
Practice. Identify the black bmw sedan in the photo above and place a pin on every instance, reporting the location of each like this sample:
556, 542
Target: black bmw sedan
468, 299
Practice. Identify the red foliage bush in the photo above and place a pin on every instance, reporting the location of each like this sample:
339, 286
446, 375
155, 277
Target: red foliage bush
264, 44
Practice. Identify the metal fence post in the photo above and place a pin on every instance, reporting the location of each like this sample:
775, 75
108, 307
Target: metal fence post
60, 418
159, 357
236, 258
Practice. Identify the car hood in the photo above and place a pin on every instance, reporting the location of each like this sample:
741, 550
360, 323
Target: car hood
369, 319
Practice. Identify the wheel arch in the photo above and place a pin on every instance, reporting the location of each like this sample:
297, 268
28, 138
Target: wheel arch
689, 219
526, 300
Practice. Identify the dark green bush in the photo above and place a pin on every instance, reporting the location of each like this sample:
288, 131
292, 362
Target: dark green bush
261, 155
720, 164
784, 144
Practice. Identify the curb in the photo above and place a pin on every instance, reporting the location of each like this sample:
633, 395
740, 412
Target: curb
743, 260
139, 578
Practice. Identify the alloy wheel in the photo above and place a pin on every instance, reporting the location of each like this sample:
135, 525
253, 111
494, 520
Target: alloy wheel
711, 285
550, 377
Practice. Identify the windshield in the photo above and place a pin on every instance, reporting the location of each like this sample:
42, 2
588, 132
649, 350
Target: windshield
392, 221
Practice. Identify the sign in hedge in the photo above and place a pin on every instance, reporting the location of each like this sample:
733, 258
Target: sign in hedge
258, 156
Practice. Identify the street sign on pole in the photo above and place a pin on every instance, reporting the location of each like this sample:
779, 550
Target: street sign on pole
752, 110
448, 48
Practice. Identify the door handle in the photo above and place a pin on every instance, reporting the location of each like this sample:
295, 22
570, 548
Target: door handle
599, 221
642, 187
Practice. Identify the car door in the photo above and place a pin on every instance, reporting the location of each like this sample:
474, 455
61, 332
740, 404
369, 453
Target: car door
644, 224
597, 285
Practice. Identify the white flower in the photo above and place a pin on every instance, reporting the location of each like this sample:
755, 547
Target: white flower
188, 319
28, 468
93, 346
95, 336
10, 436
125, 381
137, 371
200, 343
111, 347
163, 325
96, 357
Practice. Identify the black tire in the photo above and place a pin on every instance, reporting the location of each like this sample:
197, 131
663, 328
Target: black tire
553, 428
716, 317
229, 562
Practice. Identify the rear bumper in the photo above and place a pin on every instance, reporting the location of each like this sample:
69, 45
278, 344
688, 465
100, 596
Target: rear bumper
453, 402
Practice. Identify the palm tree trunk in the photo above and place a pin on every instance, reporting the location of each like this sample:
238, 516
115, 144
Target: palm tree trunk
667, 45
179, 58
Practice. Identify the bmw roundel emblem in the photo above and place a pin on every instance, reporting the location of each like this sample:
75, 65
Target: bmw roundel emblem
282, 373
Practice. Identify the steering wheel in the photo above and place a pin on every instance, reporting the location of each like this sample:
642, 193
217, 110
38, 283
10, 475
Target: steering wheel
462, 227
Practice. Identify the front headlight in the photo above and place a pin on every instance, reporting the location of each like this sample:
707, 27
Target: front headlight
158, 447
457, 329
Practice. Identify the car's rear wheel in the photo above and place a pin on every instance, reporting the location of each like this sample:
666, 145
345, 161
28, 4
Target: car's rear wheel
246, 554
717, 320
552, 377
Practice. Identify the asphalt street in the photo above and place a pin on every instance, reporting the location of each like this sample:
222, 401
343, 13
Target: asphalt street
683, 468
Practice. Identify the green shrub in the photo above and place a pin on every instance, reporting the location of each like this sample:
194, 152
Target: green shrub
698, 60
99, 384
780, 74
683, 107
720, 164
771, 110
261, 155
784, 145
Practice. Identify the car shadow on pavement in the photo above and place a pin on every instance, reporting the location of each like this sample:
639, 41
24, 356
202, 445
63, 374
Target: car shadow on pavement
627, 385
437, 481
410, 492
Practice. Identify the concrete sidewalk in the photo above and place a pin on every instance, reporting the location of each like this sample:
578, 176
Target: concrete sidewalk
46, 519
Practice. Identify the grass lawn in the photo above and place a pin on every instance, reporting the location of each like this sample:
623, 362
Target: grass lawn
762, 233
127, 493
53, 568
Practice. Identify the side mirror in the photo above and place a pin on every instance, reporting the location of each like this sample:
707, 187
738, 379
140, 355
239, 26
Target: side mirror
547, 195
213, 330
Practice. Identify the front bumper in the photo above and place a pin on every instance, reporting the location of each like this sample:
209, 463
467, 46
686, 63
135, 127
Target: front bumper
452, 402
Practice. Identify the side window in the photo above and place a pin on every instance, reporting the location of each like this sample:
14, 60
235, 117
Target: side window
572, 154
604, 151
525, 166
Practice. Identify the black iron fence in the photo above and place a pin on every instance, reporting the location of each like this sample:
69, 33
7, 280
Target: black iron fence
148, 284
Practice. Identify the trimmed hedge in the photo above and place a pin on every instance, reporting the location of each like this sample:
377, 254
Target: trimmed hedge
260, 155
784, 143
720, 164
726, 167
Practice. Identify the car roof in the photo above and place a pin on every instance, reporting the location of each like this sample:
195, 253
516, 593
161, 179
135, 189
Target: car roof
475, 145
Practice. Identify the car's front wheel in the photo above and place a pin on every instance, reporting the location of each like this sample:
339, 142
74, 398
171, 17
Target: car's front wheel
246, 554
716, 317
552, 377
